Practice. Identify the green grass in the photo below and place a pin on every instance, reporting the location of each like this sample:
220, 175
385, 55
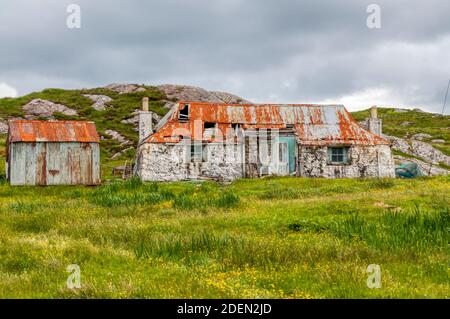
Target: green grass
268, 238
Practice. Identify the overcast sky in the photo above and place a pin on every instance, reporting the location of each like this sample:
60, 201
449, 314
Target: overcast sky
265, 51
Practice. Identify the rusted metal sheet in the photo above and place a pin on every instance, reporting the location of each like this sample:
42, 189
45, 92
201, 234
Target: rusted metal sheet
313, 124
49, 163
52, 131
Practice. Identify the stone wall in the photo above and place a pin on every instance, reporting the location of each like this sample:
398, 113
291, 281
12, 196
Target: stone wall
364, 161
164, 162
168, 162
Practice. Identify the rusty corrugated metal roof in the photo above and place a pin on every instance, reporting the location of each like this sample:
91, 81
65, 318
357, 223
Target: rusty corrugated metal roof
314, 124
52, 131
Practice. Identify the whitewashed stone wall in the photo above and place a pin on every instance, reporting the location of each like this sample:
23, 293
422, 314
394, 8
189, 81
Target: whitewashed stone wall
365, 161
165, 162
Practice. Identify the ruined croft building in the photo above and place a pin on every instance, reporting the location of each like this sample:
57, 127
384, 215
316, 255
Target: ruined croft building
198, 140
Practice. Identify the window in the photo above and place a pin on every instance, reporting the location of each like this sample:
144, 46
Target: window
184, 113
198, 153
209, 125
338, 155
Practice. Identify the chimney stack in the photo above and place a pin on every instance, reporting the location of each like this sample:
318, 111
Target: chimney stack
373, 112
145, 120
145, 104
374, 124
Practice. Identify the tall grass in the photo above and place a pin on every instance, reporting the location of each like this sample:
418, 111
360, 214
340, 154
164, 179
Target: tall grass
133, 192
417, 228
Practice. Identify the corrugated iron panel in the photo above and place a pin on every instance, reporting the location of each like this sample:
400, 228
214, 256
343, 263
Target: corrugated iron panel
314, 124
52, 131
41, 163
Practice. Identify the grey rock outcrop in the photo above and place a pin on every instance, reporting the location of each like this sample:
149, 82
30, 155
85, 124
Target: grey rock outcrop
118, 154
100, 101
43, 108
125, 88
419, 149
118, 137
192, 93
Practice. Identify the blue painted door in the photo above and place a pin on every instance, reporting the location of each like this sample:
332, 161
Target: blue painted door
286, 155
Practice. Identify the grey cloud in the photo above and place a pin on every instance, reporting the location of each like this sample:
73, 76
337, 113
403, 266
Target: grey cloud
293, 51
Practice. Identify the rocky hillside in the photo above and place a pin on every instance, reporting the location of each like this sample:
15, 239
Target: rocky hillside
416, 135
113, 108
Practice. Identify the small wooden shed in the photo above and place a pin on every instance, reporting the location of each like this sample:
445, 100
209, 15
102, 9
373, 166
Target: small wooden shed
52, 153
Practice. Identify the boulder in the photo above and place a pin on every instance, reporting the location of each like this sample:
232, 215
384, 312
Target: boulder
428, 152
43, 108
100, 101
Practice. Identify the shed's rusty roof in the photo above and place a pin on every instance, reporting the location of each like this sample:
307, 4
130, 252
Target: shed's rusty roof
52, 131
313, 124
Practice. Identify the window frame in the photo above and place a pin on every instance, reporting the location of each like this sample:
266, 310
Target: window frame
338, 155
196, 155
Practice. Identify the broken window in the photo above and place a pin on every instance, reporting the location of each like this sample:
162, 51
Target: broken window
338, 155
198, 153
183, 114
209, 125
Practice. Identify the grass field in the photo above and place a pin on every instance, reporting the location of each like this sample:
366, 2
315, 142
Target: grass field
269, 238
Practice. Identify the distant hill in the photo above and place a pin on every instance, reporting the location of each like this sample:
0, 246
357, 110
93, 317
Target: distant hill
113, 109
